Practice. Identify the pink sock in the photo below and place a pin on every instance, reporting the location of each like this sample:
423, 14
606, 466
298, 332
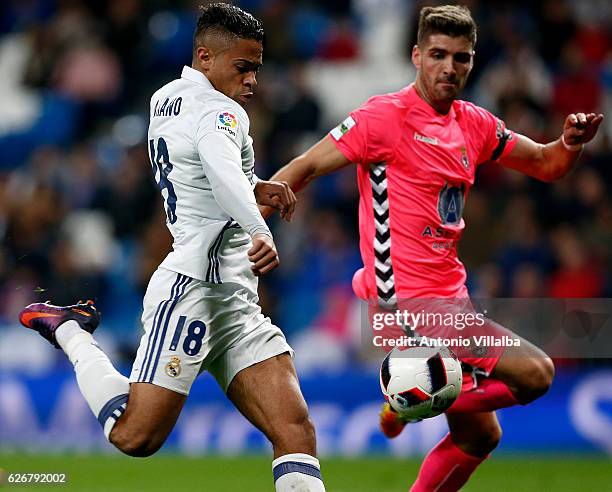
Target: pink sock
446, 468
489, 395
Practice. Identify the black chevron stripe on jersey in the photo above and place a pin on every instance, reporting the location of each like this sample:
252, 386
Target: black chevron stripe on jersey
383, 269
378, 178
384, 276
386, 294
381, 197
383, 256
381, 218
383, 237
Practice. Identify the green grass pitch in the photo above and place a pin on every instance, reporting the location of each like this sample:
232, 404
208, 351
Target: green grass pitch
174, 473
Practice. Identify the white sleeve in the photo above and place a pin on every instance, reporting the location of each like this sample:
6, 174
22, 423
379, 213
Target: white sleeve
221, 161
255, 179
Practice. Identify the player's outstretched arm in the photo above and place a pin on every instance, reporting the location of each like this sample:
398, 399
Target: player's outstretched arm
322, 158
278, 195
554, 160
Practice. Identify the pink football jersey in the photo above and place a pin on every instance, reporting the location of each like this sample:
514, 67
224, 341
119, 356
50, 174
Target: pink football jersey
415, 170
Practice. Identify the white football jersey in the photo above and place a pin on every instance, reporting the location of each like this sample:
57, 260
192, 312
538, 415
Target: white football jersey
203, 160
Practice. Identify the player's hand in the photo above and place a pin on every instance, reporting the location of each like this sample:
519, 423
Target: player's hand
263, 254
580, 128
278, 195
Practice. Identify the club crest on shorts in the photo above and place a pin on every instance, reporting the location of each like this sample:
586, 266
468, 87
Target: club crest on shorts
173, 368
479, 351
464, 158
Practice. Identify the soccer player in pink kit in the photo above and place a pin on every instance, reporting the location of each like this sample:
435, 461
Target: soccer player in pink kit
416, 153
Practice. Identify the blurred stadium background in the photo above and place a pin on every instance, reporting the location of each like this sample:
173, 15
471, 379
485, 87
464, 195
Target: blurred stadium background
80, 218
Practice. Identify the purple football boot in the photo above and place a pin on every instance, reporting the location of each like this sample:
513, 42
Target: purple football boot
45, 318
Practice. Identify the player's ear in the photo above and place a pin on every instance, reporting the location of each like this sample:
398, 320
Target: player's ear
416, 56
203, 57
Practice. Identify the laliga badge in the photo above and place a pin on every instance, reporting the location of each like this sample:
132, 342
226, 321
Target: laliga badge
227, 123
173, 368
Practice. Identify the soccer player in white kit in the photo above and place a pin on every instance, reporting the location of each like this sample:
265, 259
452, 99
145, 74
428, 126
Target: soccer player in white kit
200, 310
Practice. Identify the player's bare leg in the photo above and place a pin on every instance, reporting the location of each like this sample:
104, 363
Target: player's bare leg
136, 418
269, 396
449, 465
149, 417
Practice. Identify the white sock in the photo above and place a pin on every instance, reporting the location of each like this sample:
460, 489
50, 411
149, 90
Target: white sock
102, 386
297, 472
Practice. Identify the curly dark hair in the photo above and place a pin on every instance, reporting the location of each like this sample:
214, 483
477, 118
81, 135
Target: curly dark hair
452, 20
229, 20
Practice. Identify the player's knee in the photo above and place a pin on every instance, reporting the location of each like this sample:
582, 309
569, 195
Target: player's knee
136, 444
308, 432
140, 447
537, 380
295, 433
299, 428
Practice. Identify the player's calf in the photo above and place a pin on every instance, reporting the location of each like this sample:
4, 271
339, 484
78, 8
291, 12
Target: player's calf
135, 444
149, 418
268, 394
295, 433
295, 466
449, 465
134, 439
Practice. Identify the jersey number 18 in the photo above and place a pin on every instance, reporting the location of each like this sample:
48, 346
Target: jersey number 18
160, 160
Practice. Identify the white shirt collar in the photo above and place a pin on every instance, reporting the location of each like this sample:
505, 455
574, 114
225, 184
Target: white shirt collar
196, 76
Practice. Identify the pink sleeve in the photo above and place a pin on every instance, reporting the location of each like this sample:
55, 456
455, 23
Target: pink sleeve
498, 141
365, 136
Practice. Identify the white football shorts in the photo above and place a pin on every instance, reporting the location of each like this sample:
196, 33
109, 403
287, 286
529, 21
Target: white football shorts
191, 326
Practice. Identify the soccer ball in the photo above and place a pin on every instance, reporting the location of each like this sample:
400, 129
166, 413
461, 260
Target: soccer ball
420, 382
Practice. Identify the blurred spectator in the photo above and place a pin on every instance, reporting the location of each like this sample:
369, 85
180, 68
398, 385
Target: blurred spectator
577, 87
124, 33
524, 242
488, 282
130, 196
598, 236
518, 75
89, 74
296, 113
340, 42
82, 177
557, 27
154, 244
527, 282
577, 275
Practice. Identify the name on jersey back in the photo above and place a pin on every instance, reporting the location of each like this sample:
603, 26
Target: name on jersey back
170, 107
